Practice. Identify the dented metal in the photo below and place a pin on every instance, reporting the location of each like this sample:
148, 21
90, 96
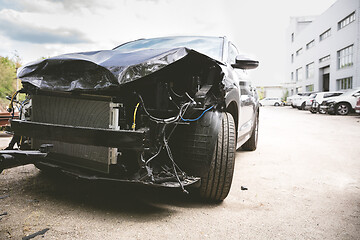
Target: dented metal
125, 114
102, 70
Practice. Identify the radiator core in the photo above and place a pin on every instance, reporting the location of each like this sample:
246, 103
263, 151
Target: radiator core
74, 112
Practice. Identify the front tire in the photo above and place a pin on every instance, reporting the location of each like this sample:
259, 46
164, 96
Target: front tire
215, 186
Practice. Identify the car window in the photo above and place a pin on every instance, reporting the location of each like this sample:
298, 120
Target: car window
327, 95
232, 53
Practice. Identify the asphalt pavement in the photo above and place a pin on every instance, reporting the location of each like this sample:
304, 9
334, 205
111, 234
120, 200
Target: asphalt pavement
303, 182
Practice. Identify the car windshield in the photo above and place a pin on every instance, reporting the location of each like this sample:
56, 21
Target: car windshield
210, 46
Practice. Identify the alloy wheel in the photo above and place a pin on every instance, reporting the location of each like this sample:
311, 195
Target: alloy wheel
342, 109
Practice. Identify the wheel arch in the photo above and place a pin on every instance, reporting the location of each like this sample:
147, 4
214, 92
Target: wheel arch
345, 102
233, 109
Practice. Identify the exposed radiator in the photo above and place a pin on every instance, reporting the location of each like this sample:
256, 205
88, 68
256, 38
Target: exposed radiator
74, 112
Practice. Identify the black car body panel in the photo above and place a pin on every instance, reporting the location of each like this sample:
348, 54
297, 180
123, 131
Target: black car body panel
125, 115
104, 70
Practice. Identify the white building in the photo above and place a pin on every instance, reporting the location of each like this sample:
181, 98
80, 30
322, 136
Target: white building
324, 53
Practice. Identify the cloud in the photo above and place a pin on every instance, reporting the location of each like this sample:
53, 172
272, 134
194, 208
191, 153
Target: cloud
14, 28
52, 6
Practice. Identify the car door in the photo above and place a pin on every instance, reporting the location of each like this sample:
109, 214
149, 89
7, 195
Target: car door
247, 107
247, 98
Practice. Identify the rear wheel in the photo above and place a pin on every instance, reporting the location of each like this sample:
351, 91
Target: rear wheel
215, 186
322, 111
303, 106
276, 104
342, 109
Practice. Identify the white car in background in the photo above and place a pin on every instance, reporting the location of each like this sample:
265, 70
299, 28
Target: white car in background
271, 101
300, 101
315, 99
290, 99
343, 104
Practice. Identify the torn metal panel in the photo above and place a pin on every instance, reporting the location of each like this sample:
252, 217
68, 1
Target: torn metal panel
160, 182
14, 158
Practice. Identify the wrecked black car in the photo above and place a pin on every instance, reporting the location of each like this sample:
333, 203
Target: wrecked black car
167, 112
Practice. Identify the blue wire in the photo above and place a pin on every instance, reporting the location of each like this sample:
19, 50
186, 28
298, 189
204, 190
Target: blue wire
193, 120
22, 104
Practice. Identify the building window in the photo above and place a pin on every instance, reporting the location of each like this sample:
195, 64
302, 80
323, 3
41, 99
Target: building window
309, 70
345, 57
344, 83
298, 52
326, 34
292, 37
292, 58
346, 21
292, 76
298, 74
324, 59
310, 44
310, 88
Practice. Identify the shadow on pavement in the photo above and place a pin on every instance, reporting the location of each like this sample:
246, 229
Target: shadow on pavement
136, 201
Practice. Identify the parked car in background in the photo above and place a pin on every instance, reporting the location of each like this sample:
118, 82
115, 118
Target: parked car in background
357, 106
293, 99
315, 99
309, 101
290, 99
271, 101
300, 101
343, 104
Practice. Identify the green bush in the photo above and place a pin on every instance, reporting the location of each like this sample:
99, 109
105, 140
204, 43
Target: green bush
7, 77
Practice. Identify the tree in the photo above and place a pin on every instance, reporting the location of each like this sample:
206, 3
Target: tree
8, 77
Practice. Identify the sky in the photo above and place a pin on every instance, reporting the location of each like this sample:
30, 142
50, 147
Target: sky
33, 29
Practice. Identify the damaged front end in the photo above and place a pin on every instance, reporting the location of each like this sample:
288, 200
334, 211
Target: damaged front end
107, 116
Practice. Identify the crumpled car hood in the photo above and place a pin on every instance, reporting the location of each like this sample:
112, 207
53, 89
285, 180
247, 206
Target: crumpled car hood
101, 70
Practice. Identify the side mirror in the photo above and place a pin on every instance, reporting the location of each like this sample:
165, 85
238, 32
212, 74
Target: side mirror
245, 62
